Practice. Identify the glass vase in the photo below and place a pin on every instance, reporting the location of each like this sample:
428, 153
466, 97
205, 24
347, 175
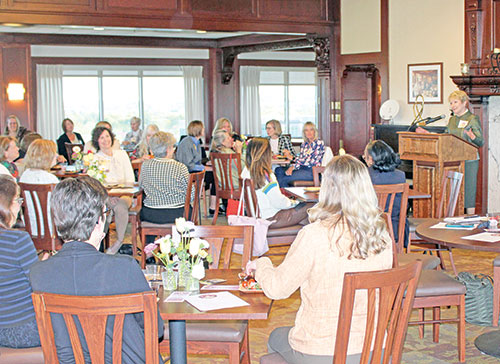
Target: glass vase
169, 279
192, 284
184, 274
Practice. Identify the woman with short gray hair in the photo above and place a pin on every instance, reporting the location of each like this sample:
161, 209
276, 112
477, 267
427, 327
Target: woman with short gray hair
164, 182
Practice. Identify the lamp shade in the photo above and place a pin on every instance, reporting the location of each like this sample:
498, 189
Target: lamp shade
15, 91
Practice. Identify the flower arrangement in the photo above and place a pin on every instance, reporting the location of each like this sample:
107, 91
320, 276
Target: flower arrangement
77, 153
182, 251
95, 169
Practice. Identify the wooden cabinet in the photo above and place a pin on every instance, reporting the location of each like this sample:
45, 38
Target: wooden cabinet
299, 9
136, 7
239, 8
50, 5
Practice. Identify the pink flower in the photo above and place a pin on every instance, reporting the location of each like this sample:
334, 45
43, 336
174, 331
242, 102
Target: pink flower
150, 248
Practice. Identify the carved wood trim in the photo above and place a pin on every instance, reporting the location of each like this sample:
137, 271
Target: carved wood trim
368, 69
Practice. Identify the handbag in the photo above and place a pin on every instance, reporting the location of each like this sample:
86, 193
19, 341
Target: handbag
232, 204
260, 227
478, 298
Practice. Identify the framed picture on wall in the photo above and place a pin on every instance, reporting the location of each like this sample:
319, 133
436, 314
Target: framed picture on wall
425, 79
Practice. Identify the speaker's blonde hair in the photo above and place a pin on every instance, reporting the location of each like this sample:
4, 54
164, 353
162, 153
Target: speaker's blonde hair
347, 197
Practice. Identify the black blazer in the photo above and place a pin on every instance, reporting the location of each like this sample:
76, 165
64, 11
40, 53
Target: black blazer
61, 144
79, 269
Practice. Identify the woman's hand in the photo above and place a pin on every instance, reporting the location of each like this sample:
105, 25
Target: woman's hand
237, 146
470, 134
287, 154
61, 159
421, 130
251, 267
289, 171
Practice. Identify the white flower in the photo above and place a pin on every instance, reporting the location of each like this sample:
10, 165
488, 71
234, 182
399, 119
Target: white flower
194, 246
165, 245
198, 271
76, 149
176, 238
180, 224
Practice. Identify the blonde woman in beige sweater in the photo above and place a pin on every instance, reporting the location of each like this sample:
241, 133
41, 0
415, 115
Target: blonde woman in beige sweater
347, 234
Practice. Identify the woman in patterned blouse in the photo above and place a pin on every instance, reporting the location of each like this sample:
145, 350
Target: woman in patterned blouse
311, 155
8, 154
280, 144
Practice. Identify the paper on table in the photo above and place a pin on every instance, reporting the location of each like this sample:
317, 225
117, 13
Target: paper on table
215, 301
488, 237
442, 225
221, 287
122, 190
178, 296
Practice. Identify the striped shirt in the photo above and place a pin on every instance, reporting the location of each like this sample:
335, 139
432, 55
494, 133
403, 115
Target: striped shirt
164, 182
17, 255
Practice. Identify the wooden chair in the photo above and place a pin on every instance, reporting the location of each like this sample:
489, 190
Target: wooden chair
214, 337
223, 165
36, 203
136, 166
496, 290
317, 171
92, 313
386, 195
450, 192
69, 150
436, 289
195, 184
390, 290
275, 237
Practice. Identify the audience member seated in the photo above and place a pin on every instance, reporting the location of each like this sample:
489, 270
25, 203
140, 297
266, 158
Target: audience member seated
133, 137
14, 129
118, 171
189, 149
9, 152
40, 158
18, 327
225, 124
143, 150
382, 162
164, 181
311, 155
273, 205
280, 144
347, 234
69, 136
23, 148
223, 143
79, 212
89, 146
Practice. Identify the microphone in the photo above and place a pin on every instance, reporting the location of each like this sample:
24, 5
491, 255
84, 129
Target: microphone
431, 120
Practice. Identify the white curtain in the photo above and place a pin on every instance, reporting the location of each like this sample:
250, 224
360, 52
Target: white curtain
250, 102
50, 107
193, 93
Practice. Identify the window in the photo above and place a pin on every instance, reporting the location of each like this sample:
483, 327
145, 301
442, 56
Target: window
116, 93
288, 95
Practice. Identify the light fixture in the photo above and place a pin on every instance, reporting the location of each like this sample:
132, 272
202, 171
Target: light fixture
15, 91
201, 31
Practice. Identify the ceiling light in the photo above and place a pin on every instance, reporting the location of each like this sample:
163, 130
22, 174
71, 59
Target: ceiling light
14, 25
98, 28
201, 31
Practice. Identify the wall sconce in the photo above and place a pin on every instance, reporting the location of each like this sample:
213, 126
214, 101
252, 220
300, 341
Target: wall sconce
15, 91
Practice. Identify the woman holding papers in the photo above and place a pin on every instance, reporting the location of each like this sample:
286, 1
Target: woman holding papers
347, 234
467, 126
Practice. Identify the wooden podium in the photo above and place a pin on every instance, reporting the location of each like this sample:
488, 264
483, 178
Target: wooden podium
432, 155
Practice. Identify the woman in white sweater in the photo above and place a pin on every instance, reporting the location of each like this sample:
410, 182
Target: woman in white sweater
273, 205
118, 171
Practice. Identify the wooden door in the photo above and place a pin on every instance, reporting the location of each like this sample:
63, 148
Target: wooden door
360, 103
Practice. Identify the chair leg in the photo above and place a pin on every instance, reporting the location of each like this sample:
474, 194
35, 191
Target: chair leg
216, 212
133, 228
436, 315
452, 262
441, 260
461, 329
421, 317
245, 347
496, 295
234, 353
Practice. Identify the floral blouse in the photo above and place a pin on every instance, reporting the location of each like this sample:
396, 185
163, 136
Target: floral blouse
311, 154
12, 168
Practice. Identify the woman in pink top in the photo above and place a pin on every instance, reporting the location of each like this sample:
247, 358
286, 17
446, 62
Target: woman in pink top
347, 234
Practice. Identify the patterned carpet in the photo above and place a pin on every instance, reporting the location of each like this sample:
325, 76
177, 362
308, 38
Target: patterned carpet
415, 350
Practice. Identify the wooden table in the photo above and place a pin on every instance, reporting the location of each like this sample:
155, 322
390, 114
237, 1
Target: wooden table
453, 238
178, 313
302, 195
280, 162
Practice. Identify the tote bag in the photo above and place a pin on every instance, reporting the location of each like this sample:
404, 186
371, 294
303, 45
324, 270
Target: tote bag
478, 298
260, 227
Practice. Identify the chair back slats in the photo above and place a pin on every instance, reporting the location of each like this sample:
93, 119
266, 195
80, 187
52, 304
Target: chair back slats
195, 184
92, 313
37, 216
450, 192
388, 221
223, 165
317, 171
69, 150
250, 198
386, 195
390, 298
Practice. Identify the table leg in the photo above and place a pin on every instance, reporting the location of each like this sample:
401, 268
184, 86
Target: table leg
177, 329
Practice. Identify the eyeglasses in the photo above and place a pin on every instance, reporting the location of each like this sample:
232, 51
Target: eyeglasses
19, 200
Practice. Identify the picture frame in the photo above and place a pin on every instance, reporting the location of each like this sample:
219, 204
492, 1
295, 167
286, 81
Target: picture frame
425, 79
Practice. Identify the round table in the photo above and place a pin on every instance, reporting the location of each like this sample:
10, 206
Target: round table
487, 343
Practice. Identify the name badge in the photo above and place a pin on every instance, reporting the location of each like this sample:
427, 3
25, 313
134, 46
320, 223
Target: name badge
462, 124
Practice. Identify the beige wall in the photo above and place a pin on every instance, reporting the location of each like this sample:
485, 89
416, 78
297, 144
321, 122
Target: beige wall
360, 26
424, 31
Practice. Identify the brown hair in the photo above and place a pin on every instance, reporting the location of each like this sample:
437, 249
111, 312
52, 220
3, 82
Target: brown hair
195, 128
64, 124
40, 154
9, 191
276, 125
27, 140
259, 160
4, 145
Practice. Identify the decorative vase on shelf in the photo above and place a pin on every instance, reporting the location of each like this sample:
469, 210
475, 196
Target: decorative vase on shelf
169, 279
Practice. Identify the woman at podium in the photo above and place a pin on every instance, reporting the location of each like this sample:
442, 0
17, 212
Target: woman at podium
465, 125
